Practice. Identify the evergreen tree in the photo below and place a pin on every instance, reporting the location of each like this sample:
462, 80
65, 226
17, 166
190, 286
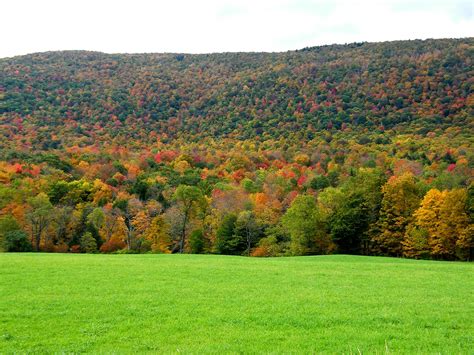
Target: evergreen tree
88, 243
228, 242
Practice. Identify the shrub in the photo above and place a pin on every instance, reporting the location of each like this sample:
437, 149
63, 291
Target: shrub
112, 246
7, 224
61, 248
261, 251
75, 248
142, 245
17, 241
88, 243
47, 246
196, 242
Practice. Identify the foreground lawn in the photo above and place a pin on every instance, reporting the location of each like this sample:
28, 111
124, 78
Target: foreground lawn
186, 303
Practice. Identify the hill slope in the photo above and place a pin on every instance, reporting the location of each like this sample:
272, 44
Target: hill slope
360, 149
413, 84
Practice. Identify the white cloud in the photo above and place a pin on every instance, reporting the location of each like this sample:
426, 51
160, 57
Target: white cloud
227, 25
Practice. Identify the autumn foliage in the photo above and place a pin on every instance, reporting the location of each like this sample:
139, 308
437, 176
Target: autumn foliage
363, 148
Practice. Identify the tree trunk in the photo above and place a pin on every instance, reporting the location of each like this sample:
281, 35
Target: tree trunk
249, 242
37, 241
183, 233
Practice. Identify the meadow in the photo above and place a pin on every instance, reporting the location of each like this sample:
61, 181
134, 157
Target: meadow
209, 303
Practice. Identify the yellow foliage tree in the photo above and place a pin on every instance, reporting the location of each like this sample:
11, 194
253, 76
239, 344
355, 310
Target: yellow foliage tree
400, 200
441, 227
425, 225
455, 235
158, 234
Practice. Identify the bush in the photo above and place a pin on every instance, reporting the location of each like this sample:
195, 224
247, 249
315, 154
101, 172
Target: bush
270, 246
112, 246
127, 251
61, 248
17, 241
7, 224
142, 245
261, 252
75, 248
88, 243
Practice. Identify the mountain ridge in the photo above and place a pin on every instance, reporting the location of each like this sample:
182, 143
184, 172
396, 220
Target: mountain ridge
402, 85
347, 44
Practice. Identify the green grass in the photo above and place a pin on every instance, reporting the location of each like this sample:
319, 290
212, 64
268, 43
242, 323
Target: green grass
198, 303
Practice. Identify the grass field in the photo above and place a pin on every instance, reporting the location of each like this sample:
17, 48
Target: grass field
186, 303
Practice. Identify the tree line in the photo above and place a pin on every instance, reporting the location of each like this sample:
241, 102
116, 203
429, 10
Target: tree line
366, 214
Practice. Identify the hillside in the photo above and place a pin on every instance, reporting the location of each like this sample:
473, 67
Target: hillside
364, 148
411, 86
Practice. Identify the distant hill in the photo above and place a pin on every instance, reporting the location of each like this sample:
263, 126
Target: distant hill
365, 148
402, 85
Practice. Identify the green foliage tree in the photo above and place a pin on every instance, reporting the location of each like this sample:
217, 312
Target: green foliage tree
319, 182
306, 227
96, 218
348, 224
8, 224
227, 241
196, 241
188, 199
246, 225
39, 216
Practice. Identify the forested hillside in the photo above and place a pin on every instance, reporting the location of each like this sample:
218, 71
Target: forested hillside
365, 148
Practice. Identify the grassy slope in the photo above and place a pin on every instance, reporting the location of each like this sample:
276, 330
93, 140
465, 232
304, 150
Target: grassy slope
54, 302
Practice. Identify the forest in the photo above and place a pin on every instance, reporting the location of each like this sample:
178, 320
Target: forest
364, 148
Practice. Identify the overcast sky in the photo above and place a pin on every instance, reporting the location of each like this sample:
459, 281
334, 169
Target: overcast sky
202, 26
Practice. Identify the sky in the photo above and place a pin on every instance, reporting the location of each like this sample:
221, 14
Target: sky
204, 26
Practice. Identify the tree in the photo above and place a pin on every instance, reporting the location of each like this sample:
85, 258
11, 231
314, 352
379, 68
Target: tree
8, 224
267, 208
306, 227
62, 223
246, 224
352, 209
96, 218
187, 199
128, 209
196, 241
319, 182
39, 216
158, 234
111, 226
275, 243
441, 227
401, 197
456, 231
415, 243
227, 241
348, 223
425, 225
